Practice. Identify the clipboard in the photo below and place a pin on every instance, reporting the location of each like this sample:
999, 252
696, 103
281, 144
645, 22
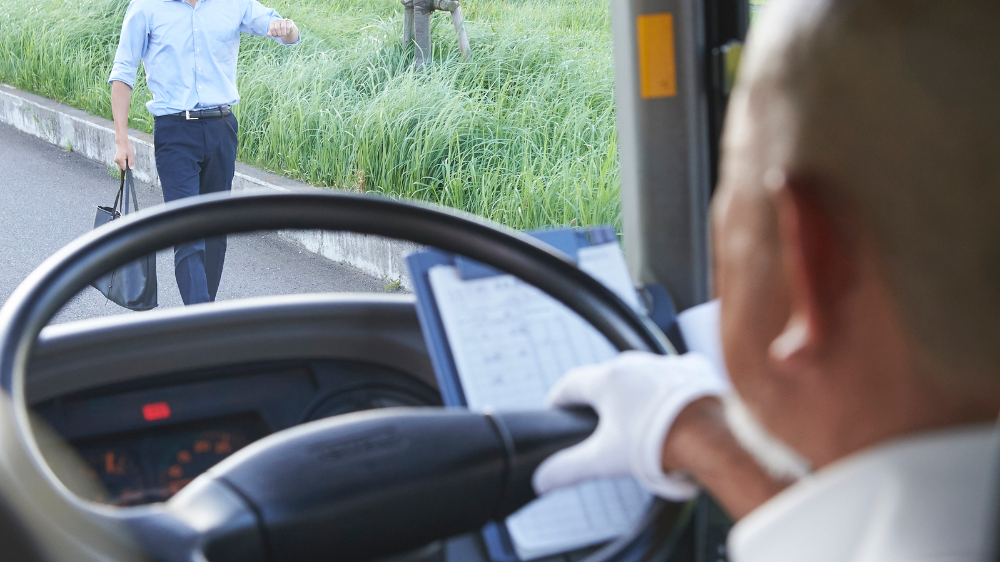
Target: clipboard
497, 539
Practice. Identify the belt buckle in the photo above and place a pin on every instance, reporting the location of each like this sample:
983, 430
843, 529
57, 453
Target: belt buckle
187, 115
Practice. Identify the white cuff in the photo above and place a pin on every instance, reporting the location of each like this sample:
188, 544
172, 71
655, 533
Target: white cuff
647, 454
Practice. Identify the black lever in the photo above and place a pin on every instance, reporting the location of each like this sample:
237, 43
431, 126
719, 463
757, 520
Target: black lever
366, 485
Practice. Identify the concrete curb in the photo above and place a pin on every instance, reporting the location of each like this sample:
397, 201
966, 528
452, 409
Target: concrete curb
94, 138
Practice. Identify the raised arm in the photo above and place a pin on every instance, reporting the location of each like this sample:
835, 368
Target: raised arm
261, 20
285, 30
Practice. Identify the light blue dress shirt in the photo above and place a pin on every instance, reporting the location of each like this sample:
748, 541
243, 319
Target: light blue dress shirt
190, 52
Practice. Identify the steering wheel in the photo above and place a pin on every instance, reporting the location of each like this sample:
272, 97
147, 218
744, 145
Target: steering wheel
354, 487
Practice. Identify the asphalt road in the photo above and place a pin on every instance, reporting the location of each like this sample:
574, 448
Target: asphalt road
48, 197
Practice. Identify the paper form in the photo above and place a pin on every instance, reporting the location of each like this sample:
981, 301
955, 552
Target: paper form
511, 342
606, 263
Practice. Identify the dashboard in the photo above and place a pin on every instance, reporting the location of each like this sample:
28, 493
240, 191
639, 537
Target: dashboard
145, 440
182, 389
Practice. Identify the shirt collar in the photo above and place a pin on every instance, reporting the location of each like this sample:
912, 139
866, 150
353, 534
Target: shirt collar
921, 497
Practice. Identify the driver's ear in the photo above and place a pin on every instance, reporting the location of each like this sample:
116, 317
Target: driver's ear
816, 265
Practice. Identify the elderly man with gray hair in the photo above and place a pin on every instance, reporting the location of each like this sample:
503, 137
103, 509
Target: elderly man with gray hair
857, 260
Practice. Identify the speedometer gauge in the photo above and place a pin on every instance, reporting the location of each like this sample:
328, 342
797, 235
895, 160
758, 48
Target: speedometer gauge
151, 466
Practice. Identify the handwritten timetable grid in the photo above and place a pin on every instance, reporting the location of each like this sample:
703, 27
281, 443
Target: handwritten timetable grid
511, 343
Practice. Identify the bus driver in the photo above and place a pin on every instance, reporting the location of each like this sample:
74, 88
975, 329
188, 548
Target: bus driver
857, 259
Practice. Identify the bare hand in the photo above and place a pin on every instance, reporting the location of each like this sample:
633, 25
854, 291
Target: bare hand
283, 29
125, 155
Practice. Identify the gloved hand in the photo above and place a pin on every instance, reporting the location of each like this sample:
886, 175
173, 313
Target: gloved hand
637, 397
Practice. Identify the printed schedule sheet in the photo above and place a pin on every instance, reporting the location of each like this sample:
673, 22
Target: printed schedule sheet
511, 342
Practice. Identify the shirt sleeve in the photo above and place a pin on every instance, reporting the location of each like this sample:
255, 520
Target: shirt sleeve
257, 19
131, 46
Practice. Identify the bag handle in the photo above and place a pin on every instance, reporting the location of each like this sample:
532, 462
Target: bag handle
118, 196
129, 190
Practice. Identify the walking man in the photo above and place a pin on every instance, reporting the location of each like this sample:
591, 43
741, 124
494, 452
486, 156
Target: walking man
189, 48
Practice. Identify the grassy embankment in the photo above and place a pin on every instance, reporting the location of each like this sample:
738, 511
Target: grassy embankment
523, 134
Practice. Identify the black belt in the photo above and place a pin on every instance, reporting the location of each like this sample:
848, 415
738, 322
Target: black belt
214, 113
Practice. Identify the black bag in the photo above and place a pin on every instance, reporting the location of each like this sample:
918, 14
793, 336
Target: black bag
132, 285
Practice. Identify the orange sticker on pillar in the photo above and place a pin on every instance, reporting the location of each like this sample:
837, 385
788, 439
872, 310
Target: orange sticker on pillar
657, 63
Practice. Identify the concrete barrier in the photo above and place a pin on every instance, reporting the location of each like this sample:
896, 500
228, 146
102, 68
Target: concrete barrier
94, 138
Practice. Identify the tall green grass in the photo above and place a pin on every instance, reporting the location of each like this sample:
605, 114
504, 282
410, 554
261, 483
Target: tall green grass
524, 133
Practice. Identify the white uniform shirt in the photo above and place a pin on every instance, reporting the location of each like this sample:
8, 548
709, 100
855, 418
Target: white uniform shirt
930, 497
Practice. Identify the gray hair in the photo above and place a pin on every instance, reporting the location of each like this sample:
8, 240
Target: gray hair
897, 104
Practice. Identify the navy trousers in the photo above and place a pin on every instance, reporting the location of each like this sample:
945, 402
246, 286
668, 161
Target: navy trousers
196, 157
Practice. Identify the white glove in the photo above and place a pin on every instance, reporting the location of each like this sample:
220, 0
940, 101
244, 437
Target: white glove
637, 397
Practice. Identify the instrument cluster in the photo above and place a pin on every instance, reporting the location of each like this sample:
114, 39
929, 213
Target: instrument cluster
154, 465
142, 442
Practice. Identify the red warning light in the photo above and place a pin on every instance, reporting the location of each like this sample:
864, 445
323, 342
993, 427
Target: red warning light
156, 411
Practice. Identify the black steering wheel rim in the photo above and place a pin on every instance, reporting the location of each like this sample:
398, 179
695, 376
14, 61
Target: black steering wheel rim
71, 269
